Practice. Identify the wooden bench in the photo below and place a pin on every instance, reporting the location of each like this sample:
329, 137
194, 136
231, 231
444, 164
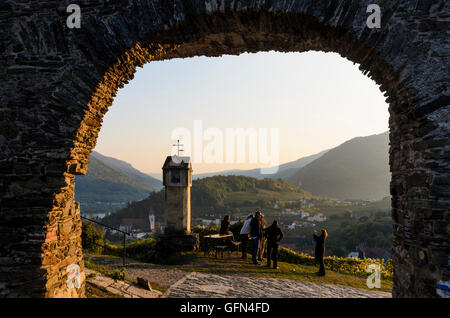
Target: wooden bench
220, 249
214, 240
232, 246
220, 243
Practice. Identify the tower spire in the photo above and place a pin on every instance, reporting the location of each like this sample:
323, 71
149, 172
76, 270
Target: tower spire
178, 145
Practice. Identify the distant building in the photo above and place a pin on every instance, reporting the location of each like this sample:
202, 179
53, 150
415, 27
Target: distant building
353, 255
295, 225
125, 228
304, 214
377, 252
294, 212
135, 223
140, 235
207, 222
317, 218
357, 254
292, 226
151, 219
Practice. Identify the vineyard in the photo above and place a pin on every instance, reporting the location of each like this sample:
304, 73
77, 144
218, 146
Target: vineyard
343, 265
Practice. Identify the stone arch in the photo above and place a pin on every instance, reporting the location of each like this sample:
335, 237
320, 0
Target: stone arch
59, 83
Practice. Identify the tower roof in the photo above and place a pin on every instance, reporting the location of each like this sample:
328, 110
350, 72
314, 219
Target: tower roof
177, 162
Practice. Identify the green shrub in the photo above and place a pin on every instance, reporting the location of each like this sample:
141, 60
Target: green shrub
206, 230
118, 274
214, 229
139, 249
92, 238
203, 231
236, 228
344, 265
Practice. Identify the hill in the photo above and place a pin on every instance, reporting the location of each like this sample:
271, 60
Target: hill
284, 170
129, 170
217, 195
357, 169
110, 181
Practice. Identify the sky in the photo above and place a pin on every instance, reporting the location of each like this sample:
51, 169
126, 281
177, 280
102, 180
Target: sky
313, 101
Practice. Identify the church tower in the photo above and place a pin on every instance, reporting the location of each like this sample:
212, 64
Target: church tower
177, 179
177, 238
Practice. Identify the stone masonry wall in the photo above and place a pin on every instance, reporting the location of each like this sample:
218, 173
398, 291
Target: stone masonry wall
57, 84
178, 210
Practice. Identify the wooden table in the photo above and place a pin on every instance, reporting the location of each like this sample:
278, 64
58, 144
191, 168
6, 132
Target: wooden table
212, 240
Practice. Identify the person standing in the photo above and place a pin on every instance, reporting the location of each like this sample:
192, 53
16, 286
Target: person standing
256, 235
245, 235
320, 250
262, 242
224, 225
274, 236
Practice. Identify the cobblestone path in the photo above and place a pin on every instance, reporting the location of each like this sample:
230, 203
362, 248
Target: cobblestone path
208, 285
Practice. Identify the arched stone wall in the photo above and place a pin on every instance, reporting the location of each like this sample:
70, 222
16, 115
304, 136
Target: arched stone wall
59, 82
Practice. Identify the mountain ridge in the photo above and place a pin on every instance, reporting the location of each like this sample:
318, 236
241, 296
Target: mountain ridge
282, 172
109, 181
128, 169
356, 169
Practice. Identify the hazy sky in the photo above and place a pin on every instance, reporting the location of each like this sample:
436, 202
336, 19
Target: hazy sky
316, 100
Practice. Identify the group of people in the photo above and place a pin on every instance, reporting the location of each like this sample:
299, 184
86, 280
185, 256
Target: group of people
254, 229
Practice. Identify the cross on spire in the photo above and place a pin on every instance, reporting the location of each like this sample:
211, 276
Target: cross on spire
178, 145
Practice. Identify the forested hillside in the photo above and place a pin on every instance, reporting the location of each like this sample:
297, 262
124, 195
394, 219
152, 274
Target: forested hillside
109, 183
219, 194
357, 169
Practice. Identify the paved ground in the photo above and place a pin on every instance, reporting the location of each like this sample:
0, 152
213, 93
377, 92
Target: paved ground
117, 287
208, 285
158, 277
182, 284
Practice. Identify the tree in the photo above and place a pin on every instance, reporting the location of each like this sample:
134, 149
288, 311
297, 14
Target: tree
92, 238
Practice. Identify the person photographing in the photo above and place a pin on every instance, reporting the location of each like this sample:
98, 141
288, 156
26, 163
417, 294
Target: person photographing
320, 250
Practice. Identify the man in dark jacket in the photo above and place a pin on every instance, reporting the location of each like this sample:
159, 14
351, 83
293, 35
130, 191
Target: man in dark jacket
274, 235
256, 234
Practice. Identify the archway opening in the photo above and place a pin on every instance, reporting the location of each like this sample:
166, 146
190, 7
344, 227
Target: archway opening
288, 38
317, 101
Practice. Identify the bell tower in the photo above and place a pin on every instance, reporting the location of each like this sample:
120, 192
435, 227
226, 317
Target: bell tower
177, 179
177, 238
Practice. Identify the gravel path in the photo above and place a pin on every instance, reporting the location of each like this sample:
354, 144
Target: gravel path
213, 286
